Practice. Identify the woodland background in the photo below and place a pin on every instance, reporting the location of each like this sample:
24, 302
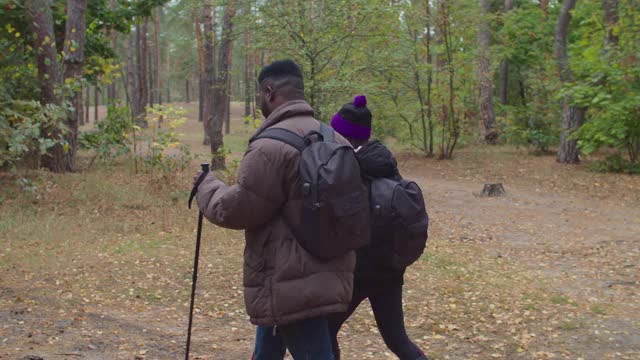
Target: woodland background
107, 107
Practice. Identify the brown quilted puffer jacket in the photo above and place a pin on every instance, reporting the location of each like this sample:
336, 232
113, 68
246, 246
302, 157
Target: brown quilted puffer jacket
283, 283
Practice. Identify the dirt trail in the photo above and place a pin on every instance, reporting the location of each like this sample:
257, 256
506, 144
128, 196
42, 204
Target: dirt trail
548, 271
589, 249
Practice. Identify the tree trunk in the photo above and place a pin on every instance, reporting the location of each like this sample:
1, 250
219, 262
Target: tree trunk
544, 5
221, 90
143, 91
80, 114
112, 89
485, 79
611, 39
132, 80
259, 59
209, 76
429, 78
96, 101
229, 93
247, 75
41, 22
572, 116
87, 105
73, 59
168, 71
188, 98
156, 40
201, 66
151, 83
418, 88
504, 66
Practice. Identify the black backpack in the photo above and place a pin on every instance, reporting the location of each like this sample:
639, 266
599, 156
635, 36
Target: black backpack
335, 219
400, 222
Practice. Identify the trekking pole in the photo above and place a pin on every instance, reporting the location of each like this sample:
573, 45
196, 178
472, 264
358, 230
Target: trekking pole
194, 191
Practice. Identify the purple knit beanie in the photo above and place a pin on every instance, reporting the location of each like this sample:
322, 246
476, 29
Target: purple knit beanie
353, 120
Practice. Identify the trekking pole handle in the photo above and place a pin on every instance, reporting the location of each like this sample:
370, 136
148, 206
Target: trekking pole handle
194, 191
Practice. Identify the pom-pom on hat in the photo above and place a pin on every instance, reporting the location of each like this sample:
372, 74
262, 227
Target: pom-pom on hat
354, 119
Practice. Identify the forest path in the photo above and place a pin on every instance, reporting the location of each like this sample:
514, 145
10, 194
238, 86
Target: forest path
548, 271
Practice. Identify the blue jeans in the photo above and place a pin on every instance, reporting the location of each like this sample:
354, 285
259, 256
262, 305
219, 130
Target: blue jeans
306, 340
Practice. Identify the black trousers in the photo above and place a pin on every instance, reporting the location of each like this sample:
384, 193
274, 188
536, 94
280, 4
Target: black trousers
385, 298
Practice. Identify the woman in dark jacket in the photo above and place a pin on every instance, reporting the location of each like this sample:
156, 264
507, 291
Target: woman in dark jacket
381, 285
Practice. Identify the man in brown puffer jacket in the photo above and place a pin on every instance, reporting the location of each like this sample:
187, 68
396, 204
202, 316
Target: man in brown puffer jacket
288, 292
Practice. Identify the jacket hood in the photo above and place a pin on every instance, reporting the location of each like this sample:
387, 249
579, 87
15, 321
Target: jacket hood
287, 110
377, 161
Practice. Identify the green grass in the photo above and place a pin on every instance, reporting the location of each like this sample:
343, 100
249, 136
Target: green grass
598, 309
131, 246
562, 300
568, 326
7, 222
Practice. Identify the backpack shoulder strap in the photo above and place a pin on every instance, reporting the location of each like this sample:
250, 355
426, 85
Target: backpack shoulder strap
327, 133
286, 136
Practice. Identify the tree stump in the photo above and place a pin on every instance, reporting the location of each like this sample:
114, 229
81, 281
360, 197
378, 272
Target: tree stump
492, 190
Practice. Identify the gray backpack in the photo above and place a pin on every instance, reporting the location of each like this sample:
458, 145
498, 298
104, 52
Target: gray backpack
335, 209
400, 222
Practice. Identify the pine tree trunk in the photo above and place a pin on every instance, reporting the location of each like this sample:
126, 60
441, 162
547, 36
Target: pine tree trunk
610, 8
168, 72
73, 58
201, 57
143, 91
96, 101
151, 83
504, 66
258, 60
87, 105
186, 88
572, 116
221, 89
429, 78
40, 20
247, 75
209, 73
80, 114
485, 79
158, 60
544, 5
227, 115
132, 79
112, 89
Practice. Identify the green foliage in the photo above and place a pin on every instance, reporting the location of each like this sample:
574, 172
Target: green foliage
532, 114
164, 149
18, 78
21, 130
616, 164
526, 126
111, 136
609, 84
158, 146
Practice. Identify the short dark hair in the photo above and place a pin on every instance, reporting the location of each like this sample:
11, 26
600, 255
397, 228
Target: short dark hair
279, 70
